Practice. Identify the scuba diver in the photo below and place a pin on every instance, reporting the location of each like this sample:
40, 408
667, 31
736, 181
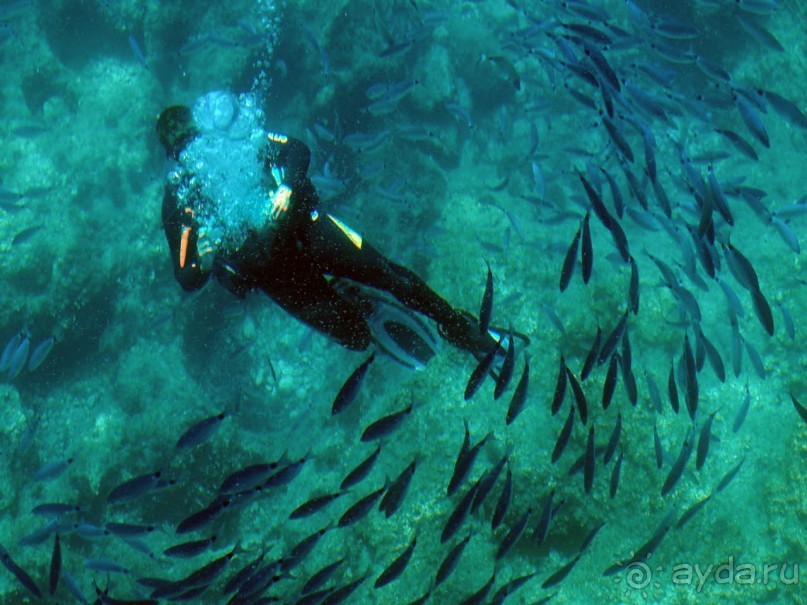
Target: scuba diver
238, 205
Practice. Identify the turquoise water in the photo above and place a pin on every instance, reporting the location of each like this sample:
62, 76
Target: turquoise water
422, 141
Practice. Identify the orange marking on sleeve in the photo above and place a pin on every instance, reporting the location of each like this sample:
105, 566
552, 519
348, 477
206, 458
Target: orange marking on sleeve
183, 246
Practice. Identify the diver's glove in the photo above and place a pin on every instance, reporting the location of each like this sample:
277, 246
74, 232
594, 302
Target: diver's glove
206, 248
280, 201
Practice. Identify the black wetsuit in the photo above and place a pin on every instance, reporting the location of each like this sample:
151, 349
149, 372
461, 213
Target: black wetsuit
291, 261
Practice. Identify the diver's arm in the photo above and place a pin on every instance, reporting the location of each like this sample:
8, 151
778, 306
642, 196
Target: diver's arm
287, 161
295, 157
182, 233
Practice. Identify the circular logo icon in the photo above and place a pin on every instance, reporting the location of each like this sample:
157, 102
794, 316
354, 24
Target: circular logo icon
638, 575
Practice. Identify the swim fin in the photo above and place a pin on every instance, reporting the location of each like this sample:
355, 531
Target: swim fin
406, 336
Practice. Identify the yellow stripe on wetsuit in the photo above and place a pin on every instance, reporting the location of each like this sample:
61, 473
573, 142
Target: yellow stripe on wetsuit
352, 235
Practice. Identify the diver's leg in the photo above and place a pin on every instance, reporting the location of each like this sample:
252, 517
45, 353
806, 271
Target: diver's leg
341, 257
460, 328
311, 299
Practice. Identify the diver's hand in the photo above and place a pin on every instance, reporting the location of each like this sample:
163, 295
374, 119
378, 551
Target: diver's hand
280, 201
207, 250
